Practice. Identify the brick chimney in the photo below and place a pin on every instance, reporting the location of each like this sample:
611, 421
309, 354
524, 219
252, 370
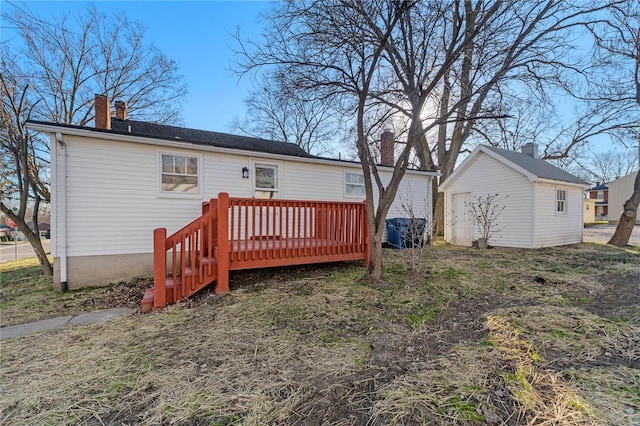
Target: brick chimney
121, 110
387, 145
103, 112
530, 149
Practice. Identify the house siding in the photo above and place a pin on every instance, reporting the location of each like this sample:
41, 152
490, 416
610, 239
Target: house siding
486, 175
620, 190
554, 229
103, 221
113, 202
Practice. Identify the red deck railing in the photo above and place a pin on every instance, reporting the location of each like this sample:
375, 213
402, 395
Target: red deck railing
245, 233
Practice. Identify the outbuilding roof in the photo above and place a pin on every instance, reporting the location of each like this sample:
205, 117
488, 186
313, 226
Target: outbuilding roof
534, 168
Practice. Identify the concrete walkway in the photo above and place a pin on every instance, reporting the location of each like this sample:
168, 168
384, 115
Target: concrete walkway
53, 323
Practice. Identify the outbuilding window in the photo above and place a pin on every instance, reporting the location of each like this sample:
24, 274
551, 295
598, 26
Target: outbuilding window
561, 201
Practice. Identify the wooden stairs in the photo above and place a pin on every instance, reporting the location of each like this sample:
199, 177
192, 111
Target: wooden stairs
187, 261
245, 233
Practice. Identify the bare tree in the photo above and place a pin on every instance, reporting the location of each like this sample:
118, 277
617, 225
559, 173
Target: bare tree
618, 42
70, 58
523, 53
276, 112
23, 166
611, 165
485, 212
376, 58
51, 71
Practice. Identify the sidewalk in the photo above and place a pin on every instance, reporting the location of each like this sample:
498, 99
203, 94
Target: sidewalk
59, 322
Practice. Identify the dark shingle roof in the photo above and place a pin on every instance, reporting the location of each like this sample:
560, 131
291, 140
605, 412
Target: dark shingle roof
536, 166
600, 187
204, 137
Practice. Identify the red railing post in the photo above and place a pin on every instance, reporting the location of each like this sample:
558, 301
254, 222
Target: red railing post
159, 268
224, 245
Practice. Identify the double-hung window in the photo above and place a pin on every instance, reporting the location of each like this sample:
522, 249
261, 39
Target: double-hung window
561, 201
265, 181
179, 174
354, 184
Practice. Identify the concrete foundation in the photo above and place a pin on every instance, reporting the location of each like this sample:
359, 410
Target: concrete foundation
95, 271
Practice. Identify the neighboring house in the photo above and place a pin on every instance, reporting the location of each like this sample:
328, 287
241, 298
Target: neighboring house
589, 213
138, 176
620, 191
543, 207
600, 193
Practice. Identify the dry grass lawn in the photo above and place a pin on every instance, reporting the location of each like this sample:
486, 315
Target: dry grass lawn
451, 336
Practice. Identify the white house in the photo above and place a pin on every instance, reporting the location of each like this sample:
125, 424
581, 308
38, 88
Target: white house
114, 184
543, 204
620, 191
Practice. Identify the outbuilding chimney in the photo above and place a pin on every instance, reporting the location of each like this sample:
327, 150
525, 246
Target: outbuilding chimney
530, 149
121, 110
387, 145
103, 112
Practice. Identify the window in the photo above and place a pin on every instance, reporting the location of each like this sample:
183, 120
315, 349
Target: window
266, 181
179, 174
561, 201
354, 184
600, 195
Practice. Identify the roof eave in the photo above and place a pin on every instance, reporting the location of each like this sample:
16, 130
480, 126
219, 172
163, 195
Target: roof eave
562, 182
90, 133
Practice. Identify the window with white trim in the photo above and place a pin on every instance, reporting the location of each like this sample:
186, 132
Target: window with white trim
561, 201
354, 184
179, 174
265, 183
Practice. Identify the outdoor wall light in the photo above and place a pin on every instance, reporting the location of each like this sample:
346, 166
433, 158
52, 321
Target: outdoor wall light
245, 173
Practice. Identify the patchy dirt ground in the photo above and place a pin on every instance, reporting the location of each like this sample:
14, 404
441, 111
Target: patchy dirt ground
450, 336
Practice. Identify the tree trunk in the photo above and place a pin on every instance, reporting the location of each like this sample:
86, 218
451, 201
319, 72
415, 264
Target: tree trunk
36, 243
32, 237
627, 218
376, 268
438, 215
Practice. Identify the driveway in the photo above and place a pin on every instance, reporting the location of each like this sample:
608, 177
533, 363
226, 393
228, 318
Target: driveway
602, 234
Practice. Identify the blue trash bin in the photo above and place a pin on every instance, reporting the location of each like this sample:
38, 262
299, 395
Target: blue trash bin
405, 232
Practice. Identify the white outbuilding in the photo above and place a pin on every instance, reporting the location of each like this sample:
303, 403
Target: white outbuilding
540, 205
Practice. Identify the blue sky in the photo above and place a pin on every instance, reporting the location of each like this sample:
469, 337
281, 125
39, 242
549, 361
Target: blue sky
198, 36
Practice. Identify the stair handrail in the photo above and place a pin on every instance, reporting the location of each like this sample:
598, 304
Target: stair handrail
192, 250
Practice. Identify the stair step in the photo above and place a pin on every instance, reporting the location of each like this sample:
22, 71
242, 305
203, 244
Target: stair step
170, 285
206, 261
147, 300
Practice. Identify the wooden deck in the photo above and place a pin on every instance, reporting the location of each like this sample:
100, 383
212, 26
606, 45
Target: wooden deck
246, 233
